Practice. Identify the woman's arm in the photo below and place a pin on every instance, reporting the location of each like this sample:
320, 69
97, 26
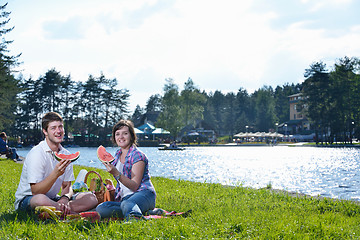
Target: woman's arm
137, 172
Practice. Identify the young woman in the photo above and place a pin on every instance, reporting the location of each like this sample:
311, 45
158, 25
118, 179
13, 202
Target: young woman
134, 194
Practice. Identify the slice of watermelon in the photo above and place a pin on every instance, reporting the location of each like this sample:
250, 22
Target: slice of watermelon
72, 157
103, 155
90, 216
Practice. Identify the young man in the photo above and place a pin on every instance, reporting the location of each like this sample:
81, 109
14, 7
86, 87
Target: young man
4, 149
43, 176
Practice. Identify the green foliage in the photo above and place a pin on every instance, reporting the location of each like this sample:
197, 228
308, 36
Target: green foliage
265, 109
153, 103
8, 84
192, 102
332, 98
90, 107
171, 117
218, 212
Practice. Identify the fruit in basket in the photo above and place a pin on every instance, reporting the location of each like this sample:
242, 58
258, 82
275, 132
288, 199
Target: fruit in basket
72, 157
103, 155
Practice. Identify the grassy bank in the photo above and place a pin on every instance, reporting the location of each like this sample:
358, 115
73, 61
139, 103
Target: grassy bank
218, 212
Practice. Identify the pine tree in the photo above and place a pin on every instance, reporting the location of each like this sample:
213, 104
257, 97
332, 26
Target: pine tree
8, 84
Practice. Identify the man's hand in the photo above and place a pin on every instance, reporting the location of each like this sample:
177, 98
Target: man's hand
61, 166
64, 206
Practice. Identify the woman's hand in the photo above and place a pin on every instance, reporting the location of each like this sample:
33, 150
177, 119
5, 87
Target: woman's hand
111, 169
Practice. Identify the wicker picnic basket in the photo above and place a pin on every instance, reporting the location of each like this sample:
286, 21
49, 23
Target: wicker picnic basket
97, 186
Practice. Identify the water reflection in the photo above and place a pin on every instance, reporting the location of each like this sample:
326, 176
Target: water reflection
330, 172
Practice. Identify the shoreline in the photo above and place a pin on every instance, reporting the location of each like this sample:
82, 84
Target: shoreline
299, 144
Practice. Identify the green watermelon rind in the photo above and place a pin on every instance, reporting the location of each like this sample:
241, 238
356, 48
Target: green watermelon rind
97, 153
72, 160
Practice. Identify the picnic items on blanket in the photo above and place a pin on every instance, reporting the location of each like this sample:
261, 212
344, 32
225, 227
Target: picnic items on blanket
161, 213
50, 212
103, 192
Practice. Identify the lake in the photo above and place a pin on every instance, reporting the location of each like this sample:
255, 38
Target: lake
329, 172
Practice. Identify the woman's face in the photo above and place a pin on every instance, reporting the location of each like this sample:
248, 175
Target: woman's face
123, 137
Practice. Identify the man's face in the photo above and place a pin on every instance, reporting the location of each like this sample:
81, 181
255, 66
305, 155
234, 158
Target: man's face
55, 132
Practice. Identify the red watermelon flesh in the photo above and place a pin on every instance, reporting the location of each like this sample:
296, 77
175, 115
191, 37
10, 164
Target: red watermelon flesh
72, 157
103, 155
91, 216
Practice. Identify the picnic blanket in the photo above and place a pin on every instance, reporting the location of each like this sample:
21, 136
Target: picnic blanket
50, 213
161, 213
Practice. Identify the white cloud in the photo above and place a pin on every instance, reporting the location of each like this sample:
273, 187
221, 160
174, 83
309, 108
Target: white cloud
221, 45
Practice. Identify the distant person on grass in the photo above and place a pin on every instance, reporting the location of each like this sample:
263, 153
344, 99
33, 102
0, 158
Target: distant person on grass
43, 176
134, 194
4, 149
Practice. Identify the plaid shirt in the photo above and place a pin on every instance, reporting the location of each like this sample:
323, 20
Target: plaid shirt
133, 156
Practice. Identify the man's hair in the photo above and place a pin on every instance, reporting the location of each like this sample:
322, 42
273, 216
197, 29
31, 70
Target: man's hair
128, 124
2, 135
50, 117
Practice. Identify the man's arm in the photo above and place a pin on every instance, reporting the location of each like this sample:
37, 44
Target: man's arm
66, 189
45, 185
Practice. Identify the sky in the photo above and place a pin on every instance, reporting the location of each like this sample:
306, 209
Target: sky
221, 45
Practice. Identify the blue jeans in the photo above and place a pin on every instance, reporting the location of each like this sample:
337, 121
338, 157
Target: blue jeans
135, 204
14, 154
11, 153
24, 204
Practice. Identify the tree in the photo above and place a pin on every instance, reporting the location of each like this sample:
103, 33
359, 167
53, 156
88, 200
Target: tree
209, 121
66, 100
243, 115
316, 95
8, 84
29, 106
8, 99
49, 86
91, 102
344, 97
137, 115
230, 113
265, 108
103, 105
216, 106
153, 103
192, 103
114, 101
171, 117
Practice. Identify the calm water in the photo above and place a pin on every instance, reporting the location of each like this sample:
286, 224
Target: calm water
330, 172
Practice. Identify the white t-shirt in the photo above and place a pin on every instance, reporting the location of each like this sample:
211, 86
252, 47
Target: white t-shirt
39, 163
124, 191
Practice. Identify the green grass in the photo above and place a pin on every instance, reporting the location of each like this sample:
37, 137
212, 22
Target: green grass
218, 213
